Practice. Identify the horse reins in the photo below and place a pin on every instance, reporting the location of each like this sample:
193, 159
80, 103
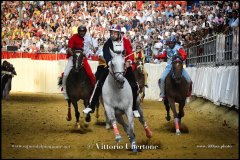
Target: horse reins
113, 73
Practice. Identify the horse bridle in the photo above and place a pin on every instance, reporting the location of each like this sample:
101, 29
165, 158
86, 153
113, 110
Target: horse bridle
113, 74
77, 54
140, 65
172, 69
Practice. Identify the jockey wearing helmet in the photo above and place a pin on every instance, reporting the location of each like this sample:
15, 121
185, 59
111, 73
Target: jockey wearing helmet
169, 53
78, 41
119, 44
139, 54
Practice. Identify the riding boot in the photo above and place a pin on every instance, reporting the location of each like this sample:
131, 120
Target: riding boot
64, 80
132, 81
94, 99
96, 93
162, 91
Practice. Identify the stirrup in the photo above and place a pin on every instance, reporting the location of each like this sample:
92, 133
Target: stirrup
87, 110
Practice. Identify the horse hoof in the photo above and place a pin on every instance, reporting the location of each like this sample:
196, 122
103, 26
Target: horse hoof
148, 133
77, 126
107, 126
118, 138
86, 124
68, 118
168, 118
88, 118
134, 150
178, 132
134, 146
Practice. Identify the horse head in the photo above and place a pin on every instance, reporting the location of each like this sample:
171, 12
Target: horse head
139, 64
177, 67
78, 60
116, 68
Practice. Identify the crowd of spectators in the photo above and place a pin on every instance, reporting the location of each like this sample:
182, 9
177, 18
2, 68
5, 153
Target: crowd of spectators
46, 26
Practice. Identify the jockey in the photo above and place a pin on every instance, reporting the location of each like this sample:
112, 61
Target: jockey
169, 53
78, 41
101, 61
139, 54
118, 44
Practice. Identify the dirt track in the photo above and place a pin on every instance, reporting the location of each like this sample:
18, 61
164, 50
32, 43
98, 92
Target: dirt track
38, 121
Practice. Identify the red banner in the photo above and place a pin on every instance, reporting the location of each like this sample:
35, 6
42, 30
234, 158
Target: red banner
37, 56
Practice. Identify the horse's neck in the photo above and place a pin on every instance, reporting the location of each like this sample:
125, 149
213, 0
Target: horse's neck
82, 74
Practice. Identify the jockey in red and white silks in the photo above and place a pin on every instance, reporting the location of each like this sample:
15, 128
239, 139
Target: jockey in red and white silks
171, 51
79, 41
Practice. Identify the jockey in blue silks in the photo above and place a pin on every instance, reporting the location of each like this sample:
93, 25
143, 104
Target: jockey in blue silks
172, 50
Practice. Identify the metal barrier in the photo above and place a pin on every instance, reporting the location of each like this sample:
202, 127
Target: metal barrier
215, 51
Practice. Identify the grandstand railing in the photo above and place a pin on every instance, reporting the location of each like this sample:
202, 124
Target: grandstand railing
216, 50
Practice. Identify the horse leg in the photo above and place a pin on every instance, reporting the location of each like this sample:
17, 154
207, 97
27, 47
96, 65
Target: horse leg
129, 114
167, 107
111, 116
88, 116
181, 111
121, 121
77, 113
97, 110
108, 123
69, 116
143, 93
176, 120
143, 122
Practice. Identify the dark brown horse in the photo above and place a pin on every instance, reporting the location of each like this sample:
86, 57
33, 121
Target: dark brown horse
139, 75
176, 90
78, 86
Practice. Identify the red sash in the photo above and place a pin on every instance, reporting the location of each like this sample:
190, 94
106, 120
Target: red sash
89, 71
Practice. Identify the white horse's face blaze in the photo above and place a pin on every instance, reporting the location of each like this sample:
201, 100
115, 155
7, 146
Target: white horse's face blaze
140, 66
117, 69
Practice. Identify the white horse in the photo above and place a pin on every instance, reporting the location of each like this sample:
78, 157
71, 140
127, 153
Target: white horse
118, 99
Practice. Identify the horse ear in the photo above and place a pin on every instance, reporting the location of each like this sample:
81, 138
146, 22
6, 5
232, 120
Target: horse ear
112, 53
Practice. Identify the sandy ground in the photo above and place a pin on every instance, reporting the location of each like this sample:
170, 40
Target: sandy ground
34, 126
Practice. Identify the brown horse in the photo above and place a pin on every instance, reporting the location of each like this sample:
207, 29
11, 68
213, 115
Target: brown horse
138, 73
78, 87
176, 89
